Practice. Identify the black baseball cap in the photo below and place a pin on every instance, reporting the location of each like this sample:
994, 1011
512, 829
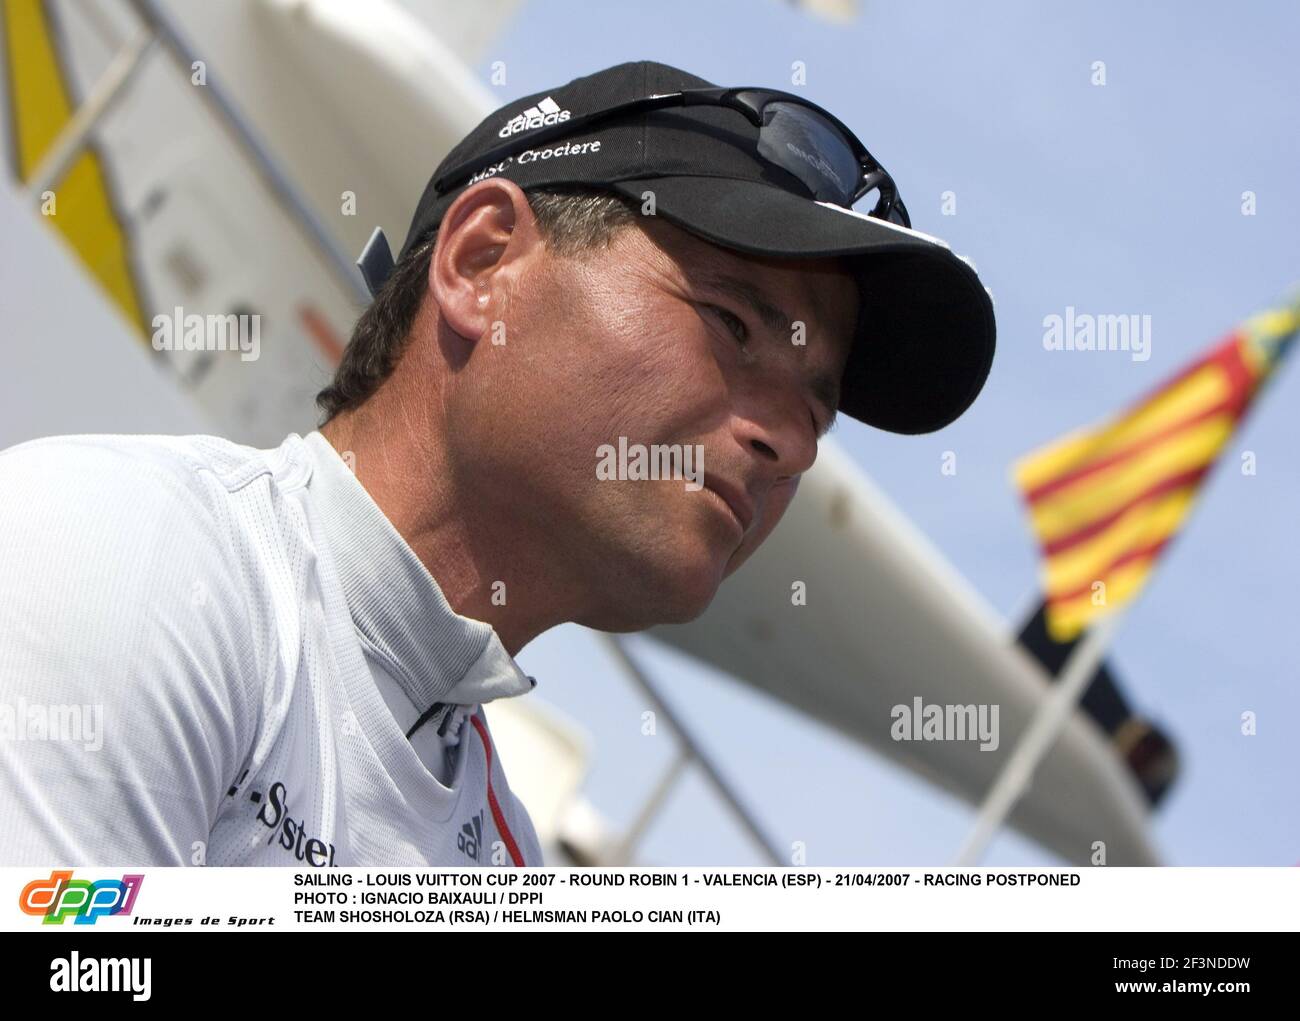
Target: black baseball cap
925, 333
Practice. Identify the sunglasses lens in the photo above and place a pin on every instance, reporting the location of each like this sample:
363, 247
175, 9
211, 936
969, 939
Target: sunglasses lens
803, 142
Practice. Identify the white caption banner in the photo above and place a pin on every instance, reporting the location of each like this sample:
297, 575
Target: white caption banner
272, 899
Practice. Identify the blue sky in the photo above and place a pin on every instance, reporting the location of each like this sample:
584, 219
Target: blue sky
1122, 198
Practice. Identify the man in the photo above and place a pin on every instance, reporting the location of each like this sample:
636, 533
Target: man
281, 656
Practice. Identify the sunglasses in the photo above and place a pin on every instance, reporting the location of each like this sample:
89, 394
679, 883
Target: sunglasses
798, 136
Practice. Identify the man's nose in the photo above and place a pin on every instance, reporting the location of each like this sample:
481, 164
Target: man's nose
781, 433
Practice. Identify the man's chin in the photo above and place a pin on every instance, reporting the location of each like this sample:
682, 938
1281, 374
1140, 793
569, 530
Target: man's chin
675, 597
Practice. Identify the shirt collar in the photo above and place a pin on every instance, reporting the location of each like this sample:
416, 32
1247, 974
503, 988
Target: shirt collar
434, 653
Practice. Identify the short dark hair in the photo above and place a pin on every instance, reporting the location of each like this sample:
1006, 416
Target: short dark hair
571, 220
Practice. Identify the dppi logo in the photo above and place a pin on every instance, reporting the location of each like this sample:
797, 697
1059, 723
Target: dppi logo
60, 896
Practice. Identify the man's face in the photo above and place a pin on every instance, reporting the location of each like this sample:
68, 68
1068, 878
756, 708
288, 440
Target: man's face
661, 339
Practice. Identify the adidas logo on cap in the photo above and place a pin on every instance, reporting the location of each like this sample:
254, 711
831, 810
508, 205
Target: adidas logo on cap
546, 112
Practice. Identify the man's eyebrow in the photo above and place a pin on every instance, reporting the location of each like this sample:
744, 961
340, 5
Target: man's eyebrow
743, 291
825, 388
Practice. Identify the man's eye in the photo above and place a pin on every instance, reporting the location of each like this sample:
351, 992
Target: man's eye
734, 323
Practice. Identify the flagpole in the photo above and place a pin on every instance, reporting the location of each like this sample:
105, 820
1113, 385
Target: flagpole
1039, 736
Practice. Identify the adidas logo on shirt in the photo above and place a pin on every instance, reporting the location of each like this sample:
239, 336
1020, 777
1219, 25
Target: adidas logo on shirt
470, 837
546, 112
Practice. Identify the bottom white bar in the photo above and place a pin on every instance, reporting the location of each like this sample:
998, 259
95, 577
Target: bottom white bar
911, 899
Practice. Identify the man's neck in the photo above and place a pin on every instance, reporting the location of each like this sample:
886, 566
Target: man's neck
481, 576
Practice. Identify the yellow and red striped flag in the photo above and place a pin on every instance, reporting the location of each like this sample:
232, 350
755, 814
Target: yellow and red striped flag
1104, 501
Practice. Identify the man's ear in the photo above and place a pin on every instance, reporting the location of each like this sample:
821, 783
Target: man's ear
484, 234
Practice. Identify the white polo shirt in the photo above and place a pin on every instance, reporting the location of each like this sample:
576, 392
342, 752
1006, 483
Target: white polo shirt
211, 654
